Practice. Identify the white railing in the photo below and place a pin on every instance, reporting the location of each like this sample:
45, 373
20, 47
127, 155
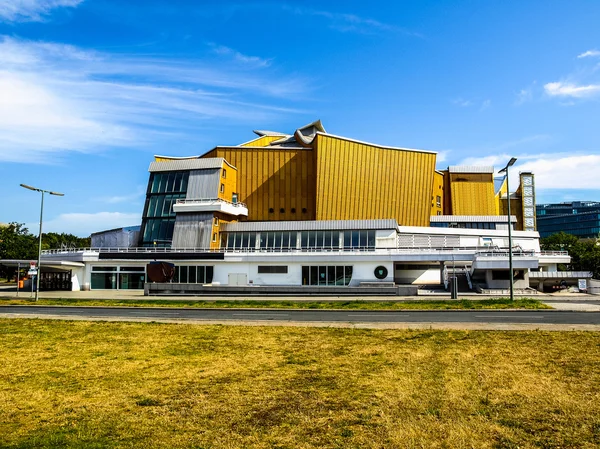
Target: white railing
477, 250
209, 200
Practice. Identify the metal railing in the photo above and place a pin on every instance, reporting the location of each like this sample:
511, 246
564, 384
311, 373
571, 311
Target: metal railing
477, 250
209, 200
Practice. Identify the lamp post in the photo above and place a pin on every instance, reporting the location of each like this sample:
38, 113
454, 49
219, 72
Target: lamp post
37, 277
510, 261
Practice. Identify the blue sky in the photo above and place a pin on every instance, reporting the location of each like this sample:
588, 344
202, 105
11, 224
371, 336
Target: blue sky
90, 90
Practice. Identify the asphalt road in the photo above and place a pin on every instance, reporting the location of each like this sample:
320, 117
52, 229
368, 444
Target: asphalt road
539, 317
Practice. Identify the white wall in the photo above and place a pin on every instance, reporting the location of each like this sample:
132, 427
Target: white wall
361, 272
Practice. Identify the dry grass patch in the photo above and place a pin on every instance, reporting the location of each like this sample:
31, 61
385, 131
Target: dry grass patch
95, 384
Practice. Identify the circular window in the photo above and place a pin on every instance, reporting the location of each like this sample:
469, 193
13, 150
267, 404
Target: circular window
381, 272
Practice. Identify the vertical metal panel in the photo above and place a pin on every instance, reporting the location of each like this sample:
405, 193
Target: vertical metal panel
472, 194
204, 183
352, 185
193, 230
266, 180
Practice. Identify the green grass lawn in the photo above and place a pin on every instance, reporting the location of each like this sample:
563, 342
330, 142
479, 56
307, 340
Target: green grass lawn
134, 385
525, 303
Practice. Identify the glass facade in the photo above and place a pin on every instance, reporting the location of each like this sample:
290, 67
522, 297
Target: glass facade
327, 275
304, 240
158, 220
579, 218
193, 274
466, 225
359, 239
241, 240
118, 278
320, 240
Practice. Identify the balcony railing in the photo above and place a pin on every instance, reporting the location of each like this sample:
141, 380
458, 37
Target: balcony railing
482, 251
210, 200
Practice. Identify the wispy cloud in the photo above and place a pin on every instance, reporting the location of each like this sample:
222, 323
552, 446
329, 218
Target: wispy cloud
589, 53
31, 10
131, 198
524, 96
58, 98
83, 225
240, 57
345, 22
568, 89
465, 103
462, 102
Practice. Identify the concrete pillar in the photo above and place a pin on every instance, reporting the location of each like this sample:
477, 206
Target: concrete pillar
442, 264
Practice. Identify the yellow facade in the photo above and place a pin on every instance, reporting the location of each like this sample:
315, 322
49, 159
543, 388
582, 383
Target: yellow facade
437, 194
276, 183
469, 194
361, 181
261, 141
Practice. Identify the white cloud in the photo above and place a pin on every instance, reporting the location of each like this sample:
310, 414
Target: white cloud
589, 53
31, 10
552, 171
58, 98
240, 57
462, 102
83, 225
560, 89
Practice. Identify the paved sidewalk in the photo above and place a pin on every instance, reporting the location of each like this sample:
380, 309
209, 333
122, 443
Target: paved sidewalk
564, 301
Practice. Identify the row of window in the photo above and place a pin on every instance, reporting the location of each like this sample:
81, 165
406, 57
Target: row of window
117, 278
327, 275
169, 182
162, 205
193, 274
285, 240
476, 225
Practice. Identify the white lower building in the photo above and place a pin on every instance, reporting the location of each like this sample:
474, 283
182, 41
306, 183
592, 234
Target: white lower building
340, 254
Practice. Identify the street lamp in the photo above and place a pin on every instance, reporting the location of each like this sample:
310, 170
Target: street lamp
37, 277
510, 261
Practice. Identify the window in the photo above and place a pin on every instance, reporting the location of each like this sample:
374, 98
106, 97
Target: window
438, 201
214, 239
359, 239
332, 275
224, 175
192, 274
320, 239
222, 188
216, 221
118, 278
272, 269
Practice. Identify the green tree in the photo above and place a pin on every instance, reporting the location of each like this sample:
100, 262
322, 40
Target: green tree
53, 240
585, 253
16, 243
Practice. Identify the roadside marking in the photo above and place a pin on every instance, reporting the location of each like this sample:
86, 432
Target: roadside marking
387, 315
260, 314
539, 317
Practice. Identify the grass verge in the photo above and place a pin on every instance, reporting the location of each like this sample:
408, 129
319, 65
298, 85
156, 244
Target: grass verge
525, 303
96, 385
